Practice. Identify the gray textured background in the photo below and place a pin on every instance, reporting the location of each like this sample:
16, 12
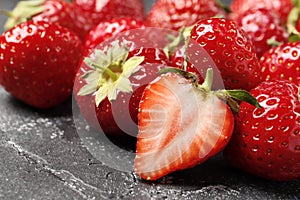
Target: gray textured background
42, 157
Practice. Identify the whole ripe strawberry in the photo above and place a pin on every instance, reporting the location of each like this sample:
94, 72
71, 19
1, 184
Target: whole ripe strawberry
282, 63
181, 124
228, 46
262, 25
110, 83
53, 11
38, 62
175, 14
107, 29
267, 140
89, 13
281, 8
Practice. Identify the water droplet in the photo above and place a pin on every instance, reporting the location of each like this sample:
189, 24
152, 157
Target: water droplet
271, 139
255, 148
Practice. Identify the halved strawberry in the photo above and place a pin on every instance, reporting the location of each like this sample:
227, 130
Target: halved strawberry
181, 124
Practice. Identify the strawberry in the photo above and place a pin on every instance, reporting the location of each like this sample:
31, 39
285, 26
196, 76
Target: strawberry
282, 63
89, 13
181, 124
175, 14
107, 29
267, 141
261, 26
279, 7
228, 46
38, 62
53, 11
110, 83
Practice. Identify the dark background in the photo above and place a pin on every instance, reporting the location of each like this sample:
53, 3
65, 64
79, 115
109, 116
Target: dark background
42, 157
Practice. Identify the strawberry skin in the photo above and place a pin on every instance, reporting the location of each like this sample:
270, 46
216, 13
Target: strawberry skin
229, 48
107, 29
110, 9
38, 62
280, 7
89, 13
262, 25
175, 14
177, 128
282, 63
266, 142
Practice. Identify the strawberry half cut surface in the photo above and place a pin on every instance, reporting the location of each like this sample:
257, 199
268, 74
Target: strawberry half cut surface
181, 124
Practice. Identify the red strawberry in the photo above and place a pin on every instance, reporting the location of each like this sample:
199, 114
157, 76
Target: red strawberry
105, 30
262, 25
228, 46
38, 61
282, 63
89, 13
279, 7
175, 14
117, 78
53, 11
181, 124
267, 141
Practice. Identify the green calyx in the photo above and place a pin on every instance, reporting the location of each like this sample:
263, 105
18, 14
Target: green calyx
180, 40
222, 5
229, 96
292, 21
23, 12
110, 73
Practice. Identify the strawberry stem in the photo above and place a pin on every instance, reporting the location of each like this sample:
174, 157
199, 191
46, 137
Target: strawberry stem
207, 84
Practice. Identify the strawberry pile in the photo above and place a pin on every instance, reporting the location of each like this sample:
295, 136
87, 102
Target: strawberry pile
188, 80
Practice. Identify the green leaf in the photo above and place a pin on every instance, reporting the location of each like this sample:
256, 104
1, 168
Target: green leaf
102, 93
118, 53
124, 85
87, 89
23, 12
93, 76
97, 60
243, 95
131, 65
292, 20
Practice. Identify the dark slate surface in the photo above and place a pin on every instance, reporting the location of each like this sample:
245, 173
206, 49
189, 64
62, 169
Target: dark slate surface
42, 157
